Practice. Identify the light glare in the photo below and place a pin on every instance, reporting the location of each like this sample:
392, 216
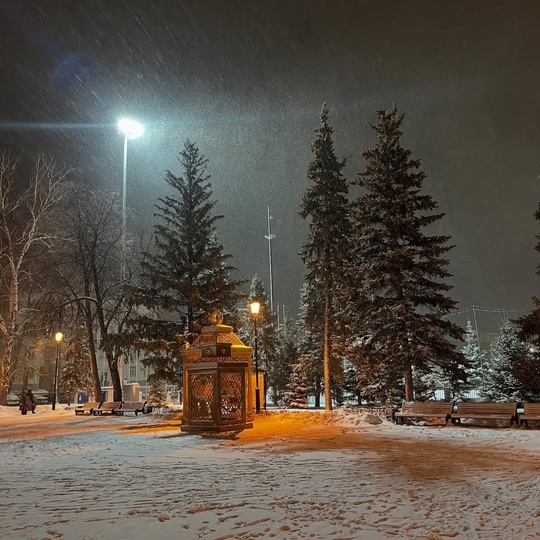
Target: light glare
130, 128
255, 307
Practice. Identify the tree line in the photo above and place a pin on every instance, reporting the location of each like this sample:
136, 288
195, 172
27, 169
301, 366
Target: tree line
375, 304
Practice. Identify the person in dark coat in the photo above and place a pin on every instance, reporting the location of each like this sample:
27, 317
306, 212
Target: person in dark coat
28, 402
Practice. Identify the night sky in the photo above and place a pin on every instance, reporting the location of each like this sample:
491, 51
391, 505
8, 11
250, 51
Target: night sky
246, 80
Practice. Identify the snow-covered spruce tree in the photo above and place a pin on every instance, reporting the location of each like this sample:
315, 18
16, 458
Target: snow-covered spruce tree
266, 323
286, 355
325, 204
397, 274
76, 374
351, 390
455, 387
475, 357
311, 337
186, 276
157, 391
506, 351
277, 347
296, 396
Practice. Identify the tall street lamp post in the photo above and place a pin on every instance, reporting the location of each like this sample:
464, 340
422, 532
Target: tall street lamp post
58, 337
131, 129
255, 308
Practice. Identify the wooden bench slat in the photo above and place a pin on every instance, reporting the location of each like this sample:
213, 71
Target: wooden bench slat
425, 409
486, 411
531, 411
131, 406
89, 406
108, 407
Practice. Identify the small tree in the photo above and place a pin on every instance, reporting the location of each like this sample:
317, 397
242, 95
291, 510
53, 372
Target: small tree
280, 366
76, 374
296, 396
455, 386
507, 351
157, 391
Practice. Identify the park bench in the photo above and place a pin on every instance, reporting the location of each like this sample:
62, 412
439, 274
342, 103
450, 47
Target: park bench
425, 409
89, 407
485, 411
531, 412
108, 407
131, 406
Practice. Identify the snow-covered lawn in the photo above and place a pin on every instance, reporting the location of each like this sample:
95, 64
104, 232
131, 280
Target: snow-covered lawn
294, 476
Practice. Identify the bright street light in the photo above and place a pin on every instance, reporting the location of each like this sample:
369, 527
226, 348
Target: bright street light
131, 129
58, 337
255, 308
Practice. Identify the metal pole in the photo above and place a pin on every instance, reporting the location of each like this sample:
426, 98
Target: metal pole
257, 393
124, 190
269, 237
478, 344
55, 389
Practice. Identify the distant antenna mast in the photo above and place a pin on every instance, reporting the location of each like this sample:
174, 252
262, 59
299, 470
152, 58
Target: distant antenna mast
270, 237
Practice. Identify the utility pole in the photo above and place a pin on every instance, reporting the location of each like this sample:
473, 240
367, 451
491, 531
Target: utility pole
270, 237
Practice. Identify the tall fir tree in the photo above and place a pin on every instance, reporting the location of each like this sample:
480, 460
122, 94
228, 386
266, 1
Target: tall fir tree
325, 204
528, 371
187, 276
397, 277
507, 351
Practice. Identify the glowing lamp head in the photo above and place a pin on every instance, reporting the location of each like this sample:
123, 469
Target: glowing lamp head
255, 308
58, 337
130, 128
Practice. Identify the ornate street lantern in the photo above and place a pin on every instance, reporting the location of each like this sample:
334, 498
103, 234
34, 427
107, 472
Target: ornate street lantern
217, 381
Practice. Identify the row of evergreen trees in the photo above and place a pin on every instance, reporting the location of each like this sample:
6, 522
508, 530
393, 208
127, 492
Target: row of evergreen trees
376, 269
375, 302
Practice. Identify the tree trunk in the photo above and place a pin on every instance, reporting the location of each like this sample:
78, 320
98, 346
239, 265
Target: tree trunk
4, 381
326, 352
9, 340
92, 350
409, 386
317, 392
115, 377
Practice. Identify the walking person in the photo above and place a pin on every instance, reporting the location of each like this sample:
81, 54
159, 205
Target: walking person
28, 402
31, 401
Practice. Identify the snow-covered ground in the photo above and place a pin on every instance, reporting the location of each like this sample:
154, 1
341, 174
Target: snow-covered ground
293, 476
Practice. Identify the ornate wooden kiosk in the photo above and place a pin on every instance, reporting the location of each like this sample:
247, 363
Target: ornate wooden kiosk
217, 381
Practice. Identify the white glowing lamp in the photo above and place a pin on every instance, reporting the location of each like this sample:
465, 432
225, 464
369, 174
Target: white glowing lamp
130, 128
